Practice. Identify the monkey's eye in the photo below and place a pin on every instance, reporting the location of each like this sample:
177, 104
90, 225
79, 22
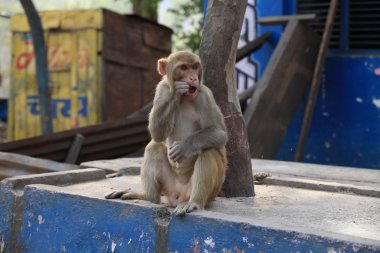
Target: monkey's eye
195, 66
183, 67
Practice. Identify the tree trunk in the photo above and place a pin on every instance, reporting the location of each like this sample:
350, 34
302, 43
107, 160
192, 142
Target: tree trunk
218, 53
41, 65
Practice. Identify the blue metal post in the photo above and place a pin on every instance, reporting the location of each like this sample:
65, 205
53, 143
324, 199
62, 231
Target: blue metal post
41, 64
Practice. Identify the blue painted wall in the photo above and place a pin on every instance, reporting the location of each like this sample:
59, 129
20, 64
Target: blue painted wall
345, 128
6, 202
69, 223
58, 221
266, 8
346, 124
201, 234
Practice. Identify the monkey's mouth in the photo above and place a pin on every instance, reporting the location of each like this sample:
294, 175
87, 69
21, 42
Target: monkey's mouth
192, 90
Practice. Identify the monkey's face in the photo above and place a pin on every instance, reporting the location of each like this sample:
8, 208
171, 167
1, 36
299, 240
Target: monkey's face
191, 74
182, 66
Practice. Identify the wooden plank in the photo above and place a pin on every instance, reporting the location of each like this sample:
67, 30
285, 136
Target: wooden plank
15, 165
60, 65
316, 81
157, 37
32, 119
246, 94
131, 62
74, 79
74, 20
281, 89
66, 20
252, 46
123, 97
22, 63
74, 150
123, 40
49, 20
89, 97
283, 20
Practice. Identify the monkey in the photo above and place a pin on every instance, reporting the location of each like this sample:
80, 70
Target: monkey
186, 157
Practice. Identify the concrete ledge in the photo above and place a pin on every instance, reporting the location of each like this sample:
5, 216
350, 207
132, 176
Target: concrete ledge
12, 200
77, 218
55, 178
320, 185
14, 164
301, 175
349, 175
121, 166
73, 222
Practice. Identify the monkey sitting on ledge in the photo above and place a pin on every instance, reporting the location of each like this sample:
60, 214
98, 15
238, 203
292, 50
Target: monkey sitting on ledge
186, 158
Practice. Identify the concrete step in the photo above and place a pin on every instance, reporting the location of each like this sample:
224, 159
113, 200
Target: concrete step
75, 217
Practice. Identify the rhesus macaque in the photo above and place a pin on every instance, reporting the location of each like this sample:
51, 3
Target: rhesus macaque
186, 158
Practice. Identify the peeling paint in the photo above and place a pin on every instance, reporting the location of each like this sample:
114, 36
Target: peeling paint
210, 242
113, 247
249, 244
331, 250
2, 245
327, 145
40, 220
376, 102
359, 100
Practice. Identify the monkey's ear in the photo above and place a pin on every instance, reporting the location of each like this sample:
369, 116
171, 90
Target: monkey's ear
161, 66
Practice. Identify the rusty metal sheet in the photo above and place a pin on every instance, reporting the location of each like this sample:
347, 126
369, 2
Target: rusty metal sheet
102, 141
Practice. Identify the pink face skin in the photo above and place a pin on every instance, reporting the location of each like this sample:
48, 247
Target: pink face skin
190, 74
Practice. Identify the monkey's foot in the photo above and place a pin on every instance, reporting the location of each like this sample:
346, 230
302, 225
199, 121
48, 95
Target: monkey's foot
186, 207
124, 194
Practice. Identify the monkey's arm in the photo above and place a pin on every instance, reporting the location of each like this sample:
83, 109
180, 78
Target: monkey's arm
210, 137
213, 135
162, 115
214, 132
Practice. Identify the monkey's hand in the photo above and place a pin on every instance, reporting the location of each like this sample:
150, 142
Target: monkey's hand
179, 152
181, 87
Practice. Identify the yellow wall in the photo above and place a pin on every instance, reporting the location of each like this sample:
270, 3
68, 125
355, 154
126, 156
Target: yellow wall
73, 44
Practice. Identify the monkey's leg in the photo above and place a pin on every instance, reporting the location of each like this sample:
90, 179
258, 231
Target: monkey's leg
153, 168
154, 165
206, 181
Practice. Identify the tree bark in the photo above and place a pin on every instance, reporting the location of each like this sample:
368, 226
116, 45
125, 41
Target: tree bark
218, 53
41, 65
